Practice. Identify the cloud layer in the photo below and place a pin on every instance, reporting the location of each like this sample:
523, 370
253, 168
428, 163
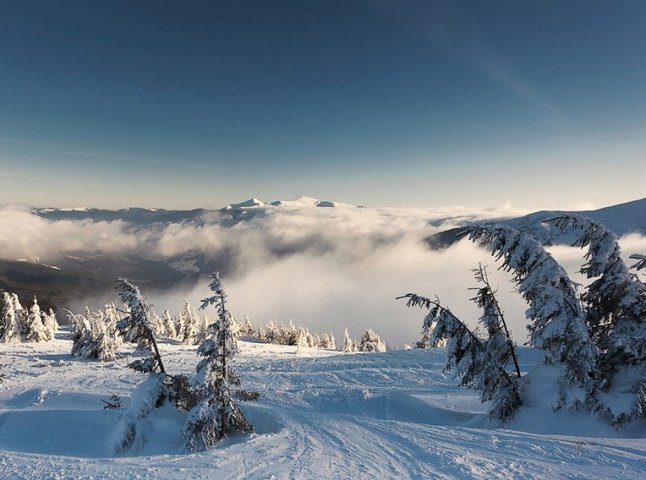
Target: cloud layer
325, 268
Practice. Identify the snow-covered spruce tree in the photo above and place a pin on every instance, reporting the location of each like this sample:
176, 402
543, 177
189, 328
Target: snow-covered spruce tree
615, 302
157, 390
179, 327
50, 323
216, 414
370, 342
426, 341
324, 341
80, 331
201, 330
93, 337
10, 321
246, 329
615, 306
331, 341
190, 323
471, 358
34, 329
21, 316
557, 319
169, 324
159, 329
499, 343
349, 345
106, 340
137, 327
112, 318
271, 332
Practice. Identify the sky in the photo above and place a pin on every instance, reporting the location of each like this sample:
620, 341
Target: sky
409, 103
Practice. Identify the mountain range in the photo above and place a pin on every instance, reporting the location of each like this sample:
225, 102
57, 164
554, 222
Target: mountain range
83, 274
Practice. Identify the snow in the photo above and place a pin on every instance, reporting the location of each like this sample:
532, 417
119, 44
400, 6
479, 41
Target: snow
304, 202
74, 209
252, 202
321, 414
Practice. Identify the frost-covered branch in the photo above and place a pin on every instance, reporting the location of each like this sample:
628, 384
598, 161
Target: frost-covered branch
641, 261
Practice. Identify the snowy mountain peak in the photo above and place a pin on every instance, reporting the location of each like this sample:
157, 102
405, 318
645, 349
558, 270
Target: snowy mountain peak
72, 209
252, 202
304, 201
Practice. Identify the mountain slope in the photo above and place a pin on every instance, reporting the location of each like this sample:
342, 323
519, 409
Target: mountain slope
320, 415
622, 219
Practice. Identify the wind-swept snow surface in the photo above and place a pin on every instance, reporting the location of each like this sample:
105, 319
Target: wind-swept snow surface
321, 415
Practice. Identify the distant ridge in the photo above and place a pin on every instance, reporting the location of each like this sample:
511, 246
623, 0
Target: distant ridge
621, 219
304, 201
299, 202
252, 202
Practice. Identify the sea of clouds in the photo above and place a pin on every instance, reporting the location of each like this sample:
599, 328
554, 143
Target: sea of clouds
325, 268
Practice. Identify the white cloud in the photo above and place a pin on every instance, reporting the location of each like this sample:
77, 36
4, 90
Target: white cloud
326, 268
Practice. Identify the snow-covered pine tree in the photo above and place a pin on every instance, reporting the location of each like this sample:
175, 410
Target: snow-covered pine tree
303, 338
615, 306
169, 324
615, 302
190, 323
247, 330
499, 343
469, 356
11, 327
349, 345
137, 327
93, 337
427, 335
201, 330
111, 321
235, 325
35, 330
289, 334
271, 332
21, 316
370, 342
50, 324
80, 332
179, 327
158, 389
557, 319
216, 414
159, 329
103, 342
331, 342
261, 334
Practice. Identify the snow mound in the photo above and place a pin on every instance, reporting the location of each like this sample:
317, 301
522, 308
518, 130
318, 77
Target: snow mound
72, 433
73, 424
396, 406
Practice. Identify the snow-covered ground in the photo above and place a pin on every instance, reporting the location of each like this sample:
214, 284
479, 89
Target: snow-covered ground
321, 415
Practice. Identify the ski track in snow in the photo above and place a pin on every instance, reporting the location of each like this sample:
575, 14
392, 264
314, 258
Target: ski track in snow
321, 415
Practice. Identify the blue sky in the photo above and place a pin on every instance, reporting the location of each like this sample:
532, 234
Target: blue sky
187, 104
